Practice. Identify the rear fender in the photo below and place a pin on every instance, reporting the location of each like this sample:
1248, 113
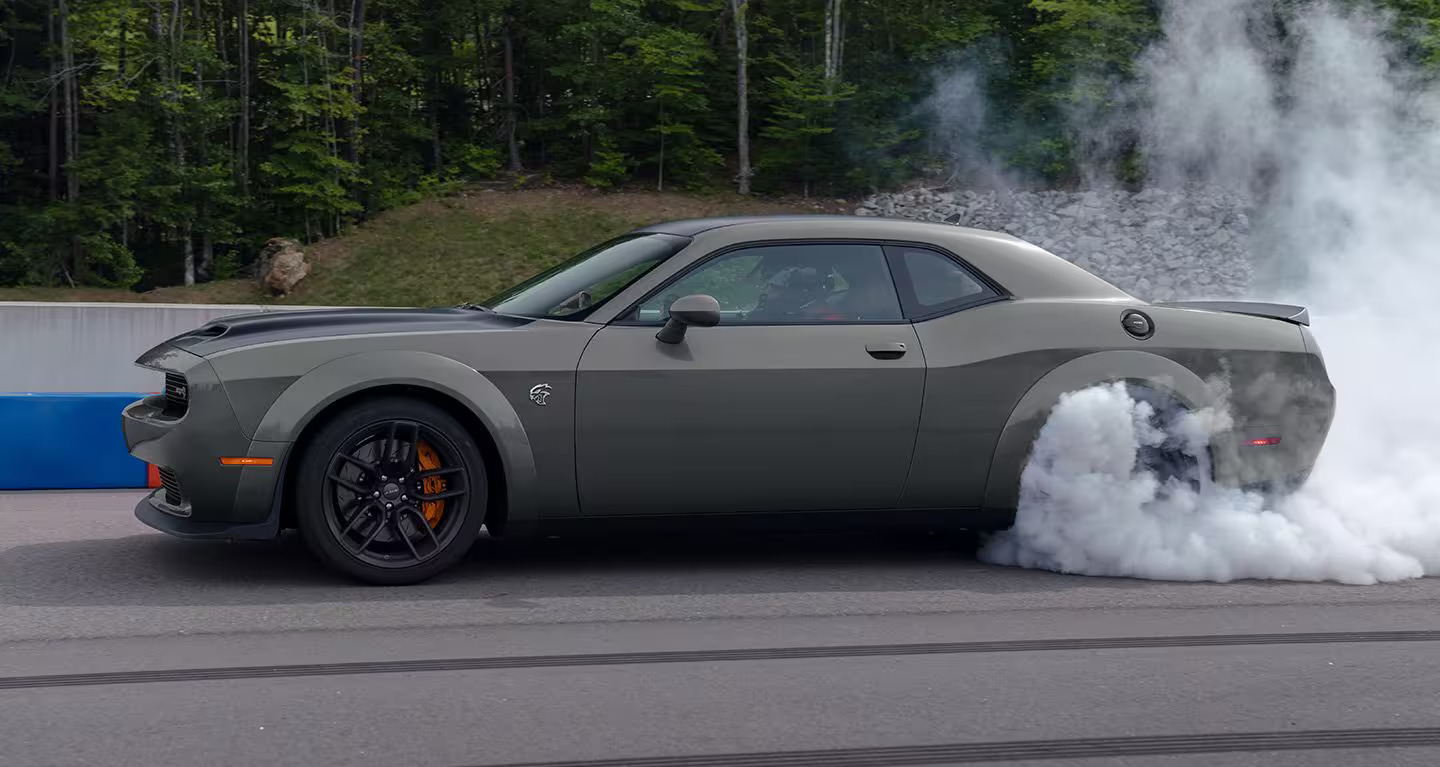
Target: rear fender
1002, 487
309, 395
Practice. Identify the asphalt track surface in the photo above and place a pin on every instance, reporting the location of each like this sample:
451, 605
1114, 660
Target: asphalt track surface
120, 646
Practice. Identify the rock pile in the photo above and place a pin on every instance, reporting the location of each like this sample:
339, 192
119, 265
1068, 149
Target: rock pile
1157, 244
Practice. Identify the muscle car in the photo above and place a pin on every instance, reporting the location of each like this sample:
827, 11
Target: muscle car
800, 369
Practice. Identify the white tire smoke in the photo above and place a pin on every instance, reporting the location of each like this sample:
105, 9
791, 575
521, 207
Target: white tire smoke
1338, 137
1088, 504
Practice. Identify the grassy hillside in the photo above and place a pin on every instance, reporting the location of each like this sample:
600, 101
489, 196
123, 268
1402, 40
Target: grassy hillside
445, 252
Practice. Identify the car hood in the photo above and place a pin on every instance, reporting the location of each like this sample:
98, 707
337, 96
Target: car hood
225, 333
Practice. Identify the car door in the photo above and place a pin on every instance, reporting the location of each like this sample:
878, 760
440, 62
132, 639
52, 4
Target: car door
805, 397
967, 329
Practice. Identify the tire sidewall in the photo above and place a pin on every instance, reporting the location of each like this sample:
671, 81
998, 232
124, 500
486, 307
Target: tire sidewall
318, 454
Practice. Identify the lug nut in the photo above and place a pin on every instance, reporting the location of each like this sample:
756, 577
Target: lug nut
389, 506
404, 497
383, 477
375, 494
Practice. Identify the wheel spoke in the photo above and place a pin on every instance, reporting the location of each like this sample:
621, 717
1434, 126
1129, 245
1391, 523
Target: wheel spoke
440, 472
424, 524
412, 455
400, 531
388, 450
366, 465
356, 517
378, 527
441, 496
347, 484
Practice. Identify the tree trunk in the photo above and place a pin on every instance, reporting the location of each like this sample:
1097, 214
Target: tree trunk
436, 155
357, 49
72, 105
510, 140
331, 130
484, 99
201, 149
207, 256
72, 131
187, 246
829, 40
10, 64
171, 72
54, 162
742, 87
433, 39
221, 24
243, 141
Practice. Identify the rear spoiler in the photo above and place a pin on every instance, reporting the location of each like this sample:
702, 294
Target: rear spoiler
1296, 314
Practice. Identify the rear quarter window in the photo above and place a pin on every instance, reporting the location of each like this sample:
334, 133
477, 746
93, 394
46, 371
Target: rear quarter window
933, 283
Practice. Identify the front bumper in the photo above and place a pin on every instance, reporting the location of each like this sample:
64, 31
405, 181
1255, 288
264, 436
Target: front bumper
149, 511
203, 499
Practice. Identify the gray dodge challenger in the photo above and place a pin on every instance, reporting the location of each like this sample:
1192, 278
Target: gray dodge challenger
798, 370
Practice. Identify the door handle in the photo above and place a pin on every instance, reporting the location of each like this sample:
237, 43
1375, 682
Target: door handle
891, 350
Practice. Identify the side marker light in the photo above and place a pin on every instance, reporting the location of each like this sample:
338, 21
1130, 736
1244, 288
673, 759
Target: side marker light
246, 461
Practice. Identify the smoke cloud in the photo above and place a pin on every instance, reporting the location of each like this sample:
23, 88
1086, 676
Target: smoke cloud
1307, 106
959, 114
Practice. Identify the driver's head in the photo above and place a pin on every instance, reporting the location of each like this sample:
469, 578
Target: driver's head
793, 285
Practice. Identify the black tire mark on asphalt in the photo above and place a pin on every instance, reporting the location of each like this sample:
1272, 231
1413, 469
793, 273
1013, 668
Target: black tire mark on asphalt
701, 656
1034, 750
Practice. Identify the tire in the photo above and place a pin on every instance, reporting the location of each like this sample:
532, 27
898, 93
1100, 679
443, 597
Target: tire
374, 474
1168, 461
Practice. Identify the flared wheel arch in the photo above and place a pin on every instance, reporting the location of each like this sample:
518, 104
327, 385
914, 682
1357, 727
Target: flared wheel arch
497, 506
1164, 377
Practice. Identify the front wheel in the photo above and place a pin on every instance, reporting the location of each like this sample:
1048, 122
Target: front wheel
391, 491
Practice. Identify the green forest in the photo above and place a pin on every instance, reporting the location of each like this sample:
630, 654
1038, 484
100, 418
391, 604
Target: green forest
158, 142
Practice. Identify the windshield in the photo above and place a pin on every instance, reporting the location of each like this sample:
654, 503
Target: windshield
573, 289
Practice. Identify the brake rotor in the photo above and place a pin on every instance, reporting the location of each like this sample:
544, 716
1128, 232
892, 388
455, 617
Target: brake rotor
429, 460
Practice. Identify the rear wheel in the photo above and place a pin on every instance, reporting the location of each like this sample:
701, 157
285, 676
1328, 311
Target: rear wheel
1172, 459
391, 491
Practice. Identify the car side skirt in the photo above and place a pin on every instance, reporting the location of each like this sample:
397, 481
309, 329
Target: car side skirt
914, 520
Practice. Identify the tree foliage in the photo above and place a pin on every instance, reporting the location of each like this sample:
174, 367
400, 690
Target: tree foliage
147, 142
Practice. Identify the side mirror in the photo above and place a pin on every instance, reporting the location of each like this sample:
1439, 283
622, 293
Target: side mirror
701, 311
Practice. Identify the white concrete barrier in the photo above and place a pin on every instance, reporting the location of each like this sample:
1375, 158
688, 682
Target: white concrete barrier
91, 347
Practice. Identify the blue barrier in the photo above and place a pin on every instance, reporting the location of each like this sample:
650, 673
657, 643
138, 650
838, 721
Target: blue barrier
66, 441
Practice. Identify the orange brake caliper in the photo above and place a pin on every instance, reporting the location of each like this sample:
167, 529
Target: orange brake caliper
429, 459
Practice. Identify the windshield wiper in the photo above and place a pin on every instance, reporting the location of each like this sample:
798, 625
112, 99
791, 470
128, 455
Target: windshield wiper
475, 307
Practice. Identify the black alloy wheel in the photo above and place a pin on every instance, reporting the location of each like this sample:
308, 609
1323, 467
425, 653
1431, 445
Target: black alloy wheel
392, 491
1169, 460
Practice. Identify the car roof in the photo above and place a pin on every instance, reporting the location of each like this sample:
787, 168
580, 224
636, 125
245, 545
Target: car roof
689, 227
1024, 269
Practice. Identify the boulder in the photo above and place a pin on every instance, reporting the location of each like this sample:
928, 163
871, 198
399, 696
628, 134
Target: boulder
282, 265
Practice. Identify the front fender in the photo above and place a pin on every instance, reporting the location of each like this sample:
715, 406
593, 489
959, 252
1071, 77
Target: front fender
312, 393
1002, 487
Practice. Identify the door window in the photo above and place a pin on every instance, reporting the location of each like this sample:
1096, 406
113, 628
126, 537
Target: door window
808, 283
935, 283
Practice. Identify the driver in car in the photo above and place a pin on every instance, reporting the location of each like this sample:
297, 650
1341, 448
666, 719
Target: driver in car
797, 291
